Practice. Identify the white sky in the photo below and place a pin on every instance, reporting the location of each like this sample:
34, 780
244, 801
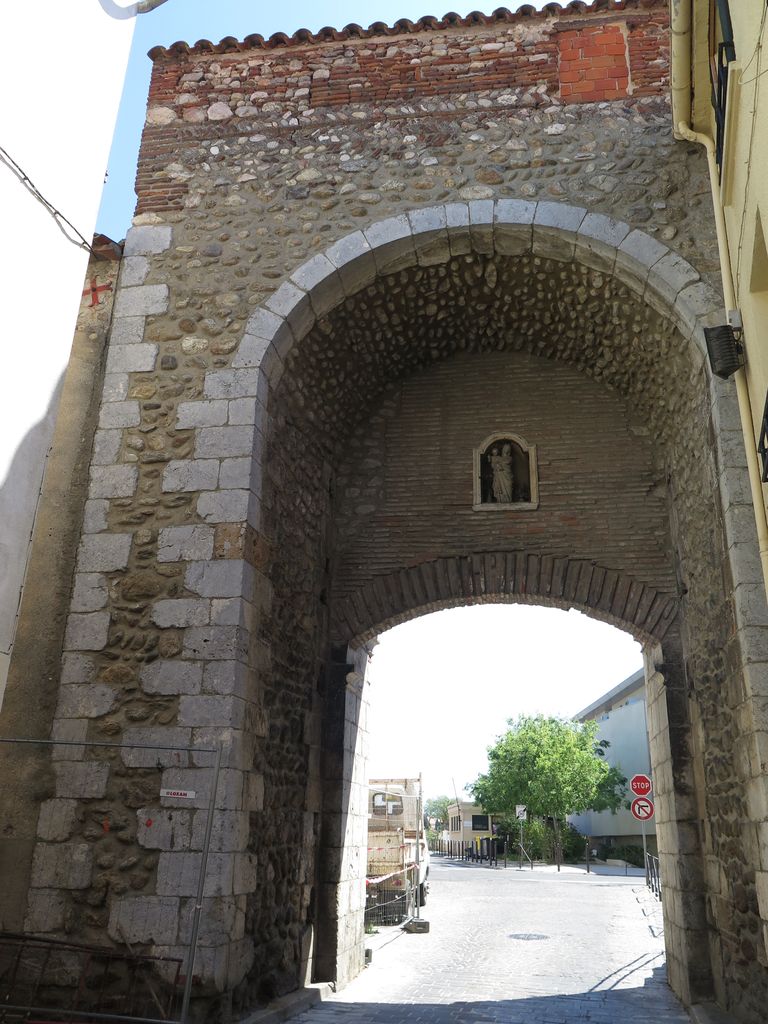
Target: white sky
444, 685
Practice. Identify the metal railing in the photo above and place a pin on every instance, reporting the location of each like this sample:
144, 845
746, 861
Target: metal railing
653, 874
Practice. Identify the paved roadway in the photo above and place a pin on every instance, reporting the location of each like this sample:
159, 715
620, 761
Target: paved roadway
517, 947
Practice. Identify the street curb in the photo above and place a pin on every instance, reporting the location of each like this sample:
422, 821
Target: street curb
290, 1005
709, 1013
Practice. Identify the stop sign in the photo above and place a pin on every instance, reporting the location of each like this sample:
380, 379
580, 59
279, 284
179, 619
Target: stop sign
640, 785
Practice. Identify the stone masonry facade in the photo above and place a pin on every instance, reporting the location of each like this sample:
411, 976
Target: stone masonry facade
356, 255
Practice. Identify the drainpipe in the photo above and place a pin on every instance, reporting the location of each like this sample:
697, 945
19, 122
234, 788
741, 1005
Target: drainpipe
680, 82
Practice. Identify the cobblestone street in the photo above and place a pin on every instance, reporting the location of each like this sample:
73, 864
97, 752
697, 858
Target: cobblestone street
517, 947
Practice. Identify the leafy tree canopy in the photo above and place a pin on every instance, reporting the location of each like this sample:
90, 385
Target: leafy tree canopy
554, 767
437, 807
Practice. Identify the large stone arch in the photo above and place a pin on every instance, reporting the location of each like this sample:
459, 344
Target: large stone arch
662, 281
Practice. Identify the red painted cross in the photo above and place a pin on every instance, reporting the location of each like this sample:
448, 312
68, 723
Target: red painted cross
94, 289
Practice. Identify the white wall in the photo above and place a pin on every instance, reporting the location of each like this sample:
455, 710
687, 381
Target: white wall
61, 78
626, 730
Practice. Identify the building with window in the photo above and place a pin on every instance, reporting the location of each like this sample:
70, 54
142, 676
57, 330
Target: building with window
719, 78
468, 821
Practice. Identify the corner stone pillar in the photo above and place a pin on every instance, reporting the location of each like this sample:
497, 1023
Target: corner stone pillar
160, 649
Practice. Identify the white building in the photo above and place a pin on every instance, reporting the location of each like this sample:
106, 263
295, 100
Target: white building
621, 719
61, 79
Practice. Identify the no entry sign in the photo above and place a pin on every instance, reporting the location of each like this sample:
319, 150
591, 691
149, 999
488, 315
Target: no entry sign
642, 808
640, 785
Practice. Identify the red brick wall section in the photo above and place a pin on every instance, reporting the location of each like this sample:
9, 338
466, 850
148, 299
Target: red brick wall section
593, 64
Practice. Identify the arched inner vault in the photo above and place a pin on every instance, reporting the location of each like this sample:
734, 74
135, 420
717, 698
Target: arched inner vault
386, 360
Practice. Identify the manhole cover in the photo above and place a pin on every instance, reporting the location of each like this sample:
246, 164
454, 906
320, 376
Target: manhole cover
527, 936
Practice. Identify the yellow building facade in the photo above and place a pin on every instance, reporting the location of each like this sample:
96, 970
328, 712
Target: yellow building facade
720, 100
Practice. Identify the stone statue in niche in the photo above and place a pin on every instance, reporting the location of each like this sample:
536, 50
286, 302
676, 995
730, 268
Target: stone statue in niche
505, 473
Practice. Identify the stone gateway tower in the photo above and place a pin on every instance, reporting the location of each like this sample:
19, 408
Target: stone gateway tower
410, 317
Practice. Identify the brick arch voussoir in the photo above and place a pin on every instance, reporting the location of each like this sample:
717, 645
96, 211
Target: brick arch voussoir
508, 227
503, 577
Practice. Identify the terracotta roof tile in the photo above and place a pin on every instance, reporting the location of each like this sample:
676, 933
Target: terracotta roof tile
429, 23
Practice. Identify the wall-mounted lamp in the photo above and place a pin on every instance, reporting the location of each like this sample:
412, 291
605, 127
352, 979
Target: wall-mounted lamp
726, 354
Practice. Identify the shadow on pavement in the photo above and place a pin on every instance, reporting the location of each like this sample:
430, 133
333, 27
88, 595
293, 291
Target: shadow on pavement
642, 1004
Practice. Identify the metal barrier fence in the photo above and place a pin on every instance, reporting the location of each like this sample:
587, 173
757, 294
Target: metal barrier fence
653, 874
392, 899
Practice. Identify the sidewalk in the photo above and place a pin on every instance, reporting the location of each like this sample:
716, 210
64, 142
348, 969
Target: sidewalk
517, 947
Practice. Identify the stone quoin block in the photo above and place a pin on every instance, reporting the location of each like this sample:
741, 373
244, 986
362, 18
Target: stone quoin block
87, 632
116, 481
57, 820
77, 668
191, 475
106, 446
81, 780
90, 592
202, 414
216, 643
115, 387
228, 577
178, 873
236, 473
95, 516
119, 414
104, 553
131, 358
143, 300
146, 737
185, 543
232, 384
152, 919
147, 240
46, 911
86, 700
181, 611
171, 677
247, 411
158, 828
133, 271
223, 442
127, 330
225, 506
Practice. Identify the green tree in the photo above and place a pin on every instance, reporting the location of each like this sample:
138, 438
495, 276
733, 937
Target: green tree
554, 767
437, 807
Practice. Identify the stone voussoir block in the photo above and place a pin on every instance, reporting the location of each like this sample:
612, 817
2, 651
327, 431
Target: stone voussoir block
597, 240
142, 300
293, 303
670, 275
391, 241
353, 258
319, 278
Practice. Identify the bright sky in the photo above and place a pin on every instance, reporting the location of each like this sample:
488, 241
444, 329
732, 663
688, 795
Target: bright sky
190, 20
444, 685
